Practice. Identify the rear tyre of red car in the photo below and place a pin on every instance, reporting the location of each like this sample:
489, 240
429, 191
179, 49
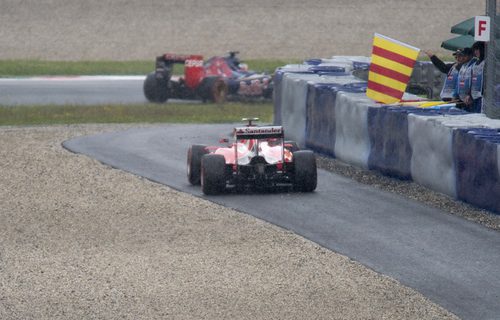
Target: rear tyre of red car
292, 146
213, 177
155, 90
305, 175
213, 89
195, 152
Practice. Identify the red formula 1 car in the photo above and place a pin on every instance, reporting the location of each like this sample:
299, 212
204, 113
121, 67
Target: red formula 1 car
258, 157
215, 80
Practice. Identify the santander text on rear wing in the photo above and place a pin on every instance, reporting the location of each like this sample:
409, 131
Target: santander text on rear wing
258, 132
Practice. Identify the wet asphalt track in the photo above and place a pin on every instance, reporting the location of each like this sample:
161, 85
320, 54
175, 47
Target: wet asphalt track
85, 90
82, 90
452, 261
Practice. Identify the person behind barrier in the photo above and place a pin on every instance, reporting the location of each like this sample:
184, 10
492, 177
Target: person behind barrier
451, 70
475, 99
462, 89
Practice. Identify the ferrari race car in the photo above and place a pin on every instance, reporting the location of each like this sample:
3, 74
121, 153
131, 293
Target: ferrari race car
214, 80
258, 157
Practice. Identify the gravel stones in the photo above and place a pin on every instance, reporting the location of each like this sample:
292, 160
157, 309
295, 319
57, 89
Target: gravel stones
83, 240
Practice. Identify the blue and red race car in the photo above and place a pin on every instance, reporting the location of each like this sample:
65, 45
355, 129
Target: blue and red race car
216, 80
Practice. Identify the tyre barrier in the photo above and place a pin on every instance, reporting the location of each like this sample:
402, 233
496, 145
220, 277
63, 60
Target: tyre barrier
447, 150
277, 79
497, 96
476, 154
352, 139
432, 158
390, 146
293, 104
320, 119
293, 96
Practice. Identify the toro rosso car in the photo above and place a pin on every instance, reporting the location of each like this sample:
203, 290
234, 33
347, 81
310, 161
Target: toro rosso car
215, 80
258, 157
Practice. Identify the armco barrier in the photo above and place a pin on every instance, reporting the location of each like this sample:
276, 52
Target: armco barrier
446, 150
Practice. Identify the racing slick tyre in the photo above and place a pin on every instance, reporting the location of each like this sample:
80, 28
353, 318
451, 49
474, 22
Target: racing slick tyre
306, 175
155, 90
268, 92
195, 152
213, 178
213, 89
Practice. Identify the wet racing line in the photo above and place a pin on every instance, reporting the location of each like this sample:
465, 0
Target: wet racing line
452, 261
77, 90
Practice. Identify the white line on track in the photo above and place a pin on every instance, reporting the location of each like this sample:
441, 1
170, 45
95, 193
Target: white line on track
74, 78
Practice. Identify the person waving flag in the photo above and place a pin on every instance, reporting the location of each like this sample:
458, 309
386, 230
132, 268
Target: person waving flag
391, 66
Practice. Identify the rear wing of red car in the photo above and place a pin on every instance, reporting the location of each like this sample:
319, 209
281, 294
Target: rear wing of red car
258, 132
179, 58
193, 67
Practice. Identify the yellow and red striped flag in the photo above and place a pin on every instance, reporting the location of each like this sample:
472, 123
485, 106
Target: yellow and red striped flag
390, 69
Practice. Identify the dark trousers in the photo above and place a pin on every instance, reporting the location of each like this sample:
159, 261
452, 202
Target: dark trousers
476, 105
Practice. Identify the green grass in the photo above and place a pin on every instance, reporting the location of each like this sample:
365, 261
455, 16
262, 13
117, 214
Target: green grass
22, 68
26, 68
269, 66
150, 113
139, 113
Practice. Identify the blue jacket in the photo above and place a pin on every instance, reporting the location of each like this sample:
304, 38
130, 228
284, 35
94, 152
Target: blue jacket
464, 80
476, 87
450, 83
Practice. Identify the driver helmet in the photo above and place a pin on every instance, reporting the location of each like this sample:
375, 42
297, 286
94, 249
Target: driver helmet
243, 66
